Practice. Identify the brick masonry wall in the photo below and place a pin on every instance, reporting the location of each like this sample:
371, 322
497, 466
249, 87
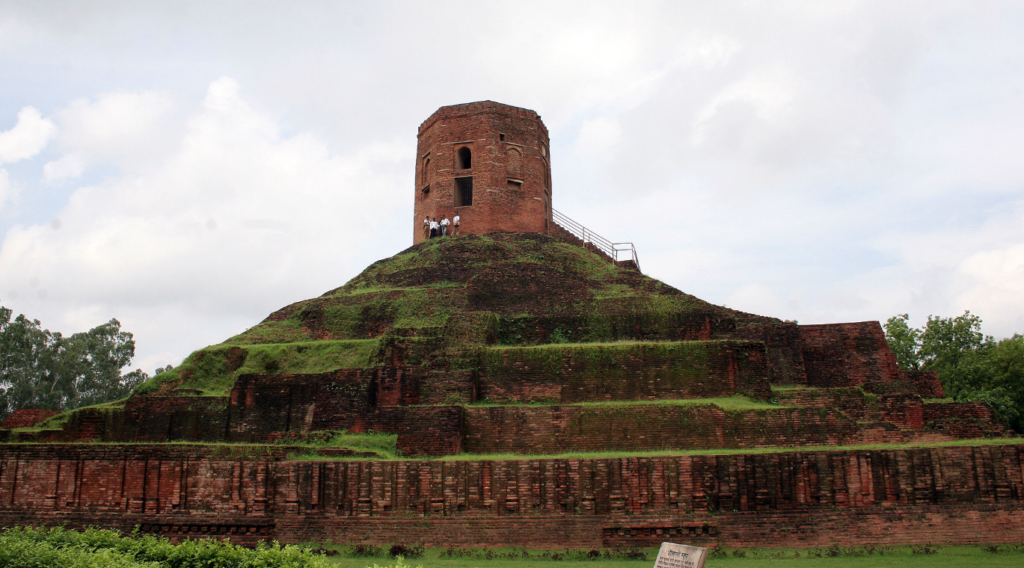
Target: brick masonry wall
510, 168
431, 431
26, 418
784, 347
558, 429
964, 419
847, 354
926, 383
928, 495
623, 372
622, 324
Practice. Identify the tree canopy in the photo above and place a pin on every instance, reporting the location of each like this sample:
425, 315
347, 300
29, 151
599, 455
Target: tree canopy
971, 366
44, 369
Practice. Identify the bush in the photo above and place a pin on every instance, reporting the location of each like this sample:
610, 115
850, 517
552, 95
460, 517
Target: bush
365, 550
398, 550
61, 548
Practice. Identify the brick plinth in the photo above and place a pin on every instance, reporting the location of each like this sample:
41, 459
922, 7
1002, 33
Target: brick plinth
949, 494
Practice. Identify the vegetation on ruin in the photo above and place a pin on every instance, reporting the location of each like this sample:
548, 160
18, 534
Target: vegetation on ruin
972, 367
972, 442
421, 288
58, 421
57, 547
212, 371
685, 359
366, 444
734, 402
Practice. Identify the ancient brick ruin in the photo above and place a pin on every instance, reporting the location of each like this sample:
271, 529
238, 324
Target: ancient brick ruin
699, 424
488, 163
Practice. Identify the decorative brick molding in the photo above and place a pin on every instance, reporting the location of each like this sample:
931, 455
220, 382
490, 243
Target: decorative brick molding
928, 495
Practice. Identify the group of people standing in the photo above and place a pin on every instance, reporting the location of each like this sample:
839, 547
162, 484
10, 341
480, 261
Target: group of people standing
434, 228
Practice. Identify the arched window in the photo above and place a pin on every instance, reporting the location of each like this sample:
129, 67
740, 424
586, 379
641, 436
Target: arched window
426, 172
514, 162
465, 158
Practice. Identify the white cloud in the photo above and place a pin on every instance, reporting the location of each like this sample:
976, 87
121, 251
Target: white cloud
68, 166
234, 222
27, 138
996, 291
767, 92
124, 129
598, 136
6, 190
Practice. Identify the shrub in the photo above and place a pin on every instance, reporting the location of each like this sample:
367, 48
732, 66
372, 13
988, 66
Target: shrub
365, 550
61, 548
399, 550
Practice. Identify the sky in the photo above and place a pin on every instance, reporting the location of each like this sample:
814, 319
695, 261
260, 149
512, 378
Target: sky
190, 167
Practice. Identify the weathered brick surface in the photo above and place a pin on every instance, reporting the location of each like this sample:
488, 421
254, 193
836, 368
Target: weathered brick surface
559, 429
926, 383
847, 354
265, 408
431, 431
26, 418
510, 168
954, 494
964, 420
623, 372
783, 344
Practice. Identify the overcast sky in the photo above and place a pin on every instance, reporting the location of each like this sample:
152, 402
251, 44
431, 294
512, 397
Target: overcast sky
189, 167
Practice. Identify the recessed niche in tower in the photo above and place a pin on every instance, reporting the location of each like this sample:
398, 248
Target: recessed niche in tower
463, 192
465, 158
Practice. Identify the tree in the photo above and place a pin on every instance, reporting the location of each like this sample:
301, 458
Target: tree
971, 366
43, 369
904, 340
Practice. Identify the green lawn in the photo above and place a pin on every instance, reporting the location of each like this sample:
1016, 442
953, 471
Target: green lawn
898, 556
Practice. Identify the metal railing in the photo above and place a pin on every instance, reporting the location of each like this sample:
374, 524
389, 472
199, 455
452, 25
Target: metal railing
587, 236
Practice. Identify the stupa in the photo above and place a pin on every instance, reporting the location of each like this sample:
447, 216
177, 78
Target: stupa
519, 385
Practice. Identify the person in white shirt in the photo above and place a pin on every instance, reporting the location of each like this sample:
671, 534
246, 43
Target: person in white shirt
426, 227
444, 225
455, 225
433, 227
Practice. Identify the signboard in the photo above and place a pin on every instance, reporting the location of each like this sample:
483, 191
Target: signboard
680, 556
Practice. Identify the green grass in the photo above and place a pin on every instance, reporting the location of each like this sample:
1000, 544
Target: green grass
846, 557
382, 444
206, 370
355, 291
735, 402
287, 331
57, 421
729, 451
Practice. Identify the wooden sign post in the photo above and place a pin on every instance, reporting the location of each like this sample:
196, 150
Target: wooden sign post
680, 556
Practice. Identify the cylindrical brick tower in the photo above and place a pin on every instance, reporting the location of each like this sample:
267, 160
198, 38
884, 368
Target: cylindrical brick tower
487, 162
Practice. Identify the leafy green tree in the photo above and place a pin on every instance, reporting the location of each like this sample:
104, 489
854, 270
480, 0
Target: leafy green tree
971, 366
904, 340
44, 369
1005, 371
